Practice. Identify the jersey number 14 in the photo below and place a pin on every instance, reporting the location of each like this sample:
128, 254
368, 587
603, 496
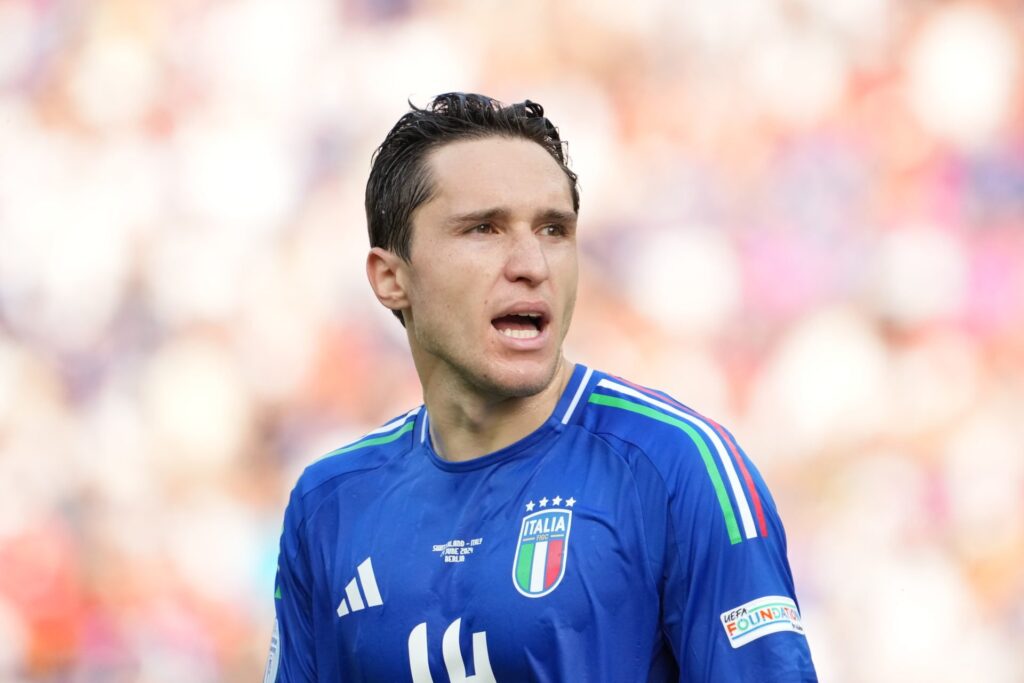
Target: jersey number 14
419, 663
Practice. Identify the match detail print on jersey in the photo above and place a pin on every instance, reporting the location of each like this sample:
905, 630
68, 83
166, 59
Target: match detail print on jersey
707, 440
543, 547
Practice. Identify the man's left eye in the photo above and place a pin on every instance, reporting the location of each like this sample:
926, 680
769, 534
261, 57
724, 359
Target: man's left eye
554, 230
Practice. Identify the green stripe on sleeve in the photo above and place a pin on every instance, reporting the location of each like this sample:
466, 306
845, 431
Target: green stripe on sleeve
387, 438
705, 454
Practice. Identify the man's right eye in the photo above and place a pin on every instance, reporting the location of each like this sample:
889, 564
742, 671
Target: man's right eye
482, 228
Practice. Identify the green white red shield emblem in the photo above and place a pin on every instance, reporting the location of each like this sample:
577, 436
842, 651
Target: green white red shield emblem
541, 552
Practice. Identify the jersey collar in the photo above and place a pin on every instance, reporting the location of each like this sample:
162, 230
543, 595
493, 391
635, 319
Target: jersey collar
567, 408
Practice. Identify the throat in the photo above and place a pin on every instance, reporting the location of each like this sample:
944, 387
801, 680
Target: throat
463, 427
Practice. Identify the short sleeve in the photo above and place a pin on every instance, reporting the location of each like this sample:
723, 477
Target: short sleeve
729, 610
291, 658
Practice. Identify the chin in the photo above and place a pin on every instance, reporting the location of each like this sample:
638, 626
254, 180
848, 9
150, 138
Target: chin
519, 379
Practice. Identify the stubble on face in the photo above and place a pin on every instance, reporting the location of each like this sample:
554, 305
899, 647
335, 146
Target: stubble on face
462, 274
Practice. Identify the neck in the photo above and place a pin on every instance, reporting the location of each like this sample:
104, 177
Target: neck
466, 423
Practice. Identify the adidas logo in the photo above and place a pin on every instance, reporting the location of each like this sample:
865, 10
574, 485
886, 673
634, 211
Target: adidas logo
353, 600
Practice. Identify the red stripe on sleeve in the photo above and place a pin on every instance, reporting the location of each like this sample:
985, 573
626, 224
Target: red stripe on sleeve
746, 475
751, 489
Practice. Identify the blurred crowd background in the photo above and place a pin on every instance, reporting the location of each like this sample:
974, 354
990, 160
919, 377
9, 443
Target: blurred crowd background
805, 218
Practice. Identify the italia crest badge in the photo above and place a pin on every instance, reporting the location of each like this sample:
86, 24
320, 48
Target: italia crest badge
543, 546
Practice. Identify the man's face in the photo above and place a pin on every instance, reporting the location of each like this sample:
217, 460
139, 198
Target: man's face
491, 282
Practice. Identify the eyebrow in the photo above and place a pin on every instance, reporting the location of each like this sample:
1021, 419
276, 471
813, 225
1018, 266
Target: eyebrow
545, 216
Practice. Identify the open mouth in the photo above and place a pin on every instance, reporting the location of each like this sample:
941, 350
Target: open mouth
526, 325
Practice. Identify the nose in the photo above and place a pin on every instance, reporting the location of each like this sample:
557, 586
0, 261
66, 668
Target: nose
526, 259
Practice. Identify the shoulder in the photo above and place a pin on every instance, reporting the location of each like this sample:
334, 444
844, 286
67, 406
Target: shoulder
368, 453
652, 421
696, 457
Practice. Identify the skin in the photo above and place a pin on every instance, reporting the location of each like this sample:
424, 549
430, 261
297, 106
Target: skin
499, 232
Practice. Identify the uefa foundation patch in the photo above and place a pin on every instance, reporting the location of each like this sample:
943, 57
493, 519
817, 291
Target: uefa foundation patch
770, 614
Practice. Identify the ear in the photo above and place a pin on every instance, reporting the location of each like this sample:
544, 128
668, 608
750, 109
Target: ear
384, 270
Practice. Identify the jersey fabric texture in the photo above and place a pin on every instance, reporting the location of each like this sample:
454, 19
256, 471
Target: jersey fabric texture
626, 539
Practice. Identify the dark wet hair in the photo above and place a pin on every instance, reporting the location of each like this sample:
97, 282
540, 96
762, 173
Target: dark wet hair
399, 178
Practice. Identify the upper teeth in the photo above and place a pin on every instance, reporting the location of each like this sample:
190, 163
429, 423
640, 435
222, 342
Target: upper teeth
529, 315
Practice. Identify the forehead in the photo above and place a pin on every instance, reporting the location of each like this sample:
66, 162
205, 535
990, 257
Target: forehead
469, 175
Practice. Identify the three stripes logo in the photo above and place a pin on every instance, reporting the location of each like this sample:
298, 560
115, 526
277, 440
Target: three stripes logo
353, 600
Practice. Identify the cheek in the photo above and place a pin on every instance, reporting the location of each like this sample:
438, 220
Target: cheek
566, 272
449, 295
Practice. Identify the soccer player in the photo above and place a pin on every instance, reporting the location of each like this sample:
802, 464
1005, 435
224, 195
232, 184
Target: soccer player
536, 519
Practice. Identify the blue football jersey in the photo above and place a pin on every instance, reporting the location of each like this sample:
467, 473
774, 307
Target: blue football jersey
626, 539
